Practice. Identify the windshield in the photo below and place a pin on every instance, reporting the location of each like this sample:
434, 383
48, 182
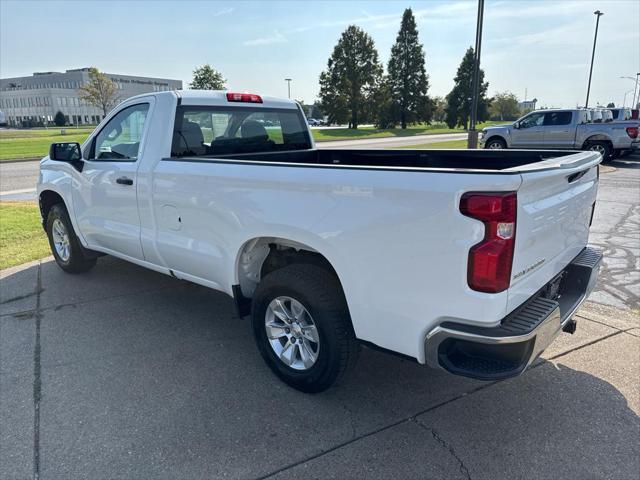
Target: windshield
211, 131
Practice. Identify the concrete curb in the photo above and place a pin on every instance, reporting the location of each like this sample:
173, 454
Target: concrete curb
19, 160
7, 272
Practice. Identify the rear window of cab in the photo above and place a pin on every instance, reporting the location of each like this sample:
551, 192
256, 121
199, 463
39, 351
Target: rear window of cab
202, 131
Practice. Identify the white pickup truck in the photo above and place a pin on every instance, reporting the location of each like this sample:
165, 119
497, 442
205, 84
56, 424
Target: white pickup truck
468, 261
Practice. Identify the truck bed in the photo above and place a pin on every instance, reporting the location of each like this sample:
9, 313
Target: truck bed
512, 161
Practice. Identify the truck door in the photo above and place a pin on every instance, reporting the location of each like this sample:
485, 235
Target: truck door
529, 133
559, 131
105, 201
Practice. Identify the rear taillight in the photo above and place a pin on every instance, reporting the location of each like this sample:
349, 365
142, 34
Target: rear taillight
244, 97
490, 261
632, 132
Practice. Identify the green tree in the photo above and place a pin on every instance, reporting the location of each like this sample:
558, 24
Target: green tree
504, 106
207, 78
459, 99
408, 78
353, 75
387, 114
100, 91
439, 109
59, 119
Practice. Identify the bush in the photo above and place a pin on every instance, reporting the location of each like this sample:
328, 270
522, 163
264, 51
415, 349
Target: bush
59, 119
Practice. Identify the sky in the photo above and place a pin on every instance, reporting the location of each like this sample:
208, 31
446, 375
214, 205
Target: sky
541, 47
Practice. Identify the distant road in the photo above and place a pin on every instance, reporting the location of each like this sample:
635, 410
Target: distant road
18, 179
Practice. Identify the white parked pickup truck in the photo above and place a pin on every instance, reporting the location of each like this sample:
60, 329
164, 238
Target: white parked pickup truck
468, 261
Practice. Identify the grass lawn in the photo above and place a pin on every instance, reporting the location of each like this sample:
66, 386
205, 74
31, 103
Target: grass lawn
329, 134
22, 238
35, 142
451, 144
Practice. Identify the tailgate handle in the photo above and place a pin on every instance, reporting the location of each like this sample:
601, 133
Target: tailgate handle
577, 176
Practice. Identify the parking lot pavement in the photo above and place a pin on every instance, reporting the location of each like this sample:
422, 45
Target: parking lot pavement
616, 230
126, 373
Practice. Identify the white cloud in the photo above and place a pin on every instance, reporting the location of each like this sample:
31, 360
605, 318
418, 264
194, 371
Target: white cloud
225, 11
277, 37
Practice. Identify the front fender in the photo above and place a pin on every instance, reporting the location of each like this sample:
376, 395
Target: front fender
58, 177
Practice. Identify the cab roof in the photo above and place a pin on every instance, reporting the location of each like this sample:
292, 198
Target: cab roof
219, 98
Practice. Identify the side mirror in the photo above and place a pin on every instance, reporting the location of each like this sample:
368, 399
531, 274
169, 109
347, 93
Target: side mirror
516, 125
65, 152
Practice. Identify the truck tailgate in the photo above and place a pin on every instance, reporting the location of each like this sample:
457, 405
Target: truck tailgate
555, 206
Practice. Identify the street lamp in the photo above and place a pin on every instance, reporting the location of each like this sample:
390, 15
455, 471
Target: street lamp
624, 100
598, 14
633, 105
288, 80
472, 135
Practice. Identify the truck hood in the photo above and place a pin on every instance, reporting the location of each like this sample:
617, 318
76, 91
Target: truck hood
497, 128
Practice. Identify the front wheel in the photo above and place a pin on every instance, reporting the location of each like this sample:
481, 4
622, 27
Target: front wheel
65, 246
302, 327
495, 144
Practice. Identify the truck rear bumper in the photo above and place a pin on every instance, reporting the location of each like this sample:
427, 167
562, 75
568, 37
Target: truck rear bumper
508, 349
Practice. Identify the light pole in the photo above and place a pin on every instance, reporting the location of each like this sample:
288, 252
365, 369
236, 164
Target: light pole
288, 80
598, 14
624, 100
633, 105
472, 135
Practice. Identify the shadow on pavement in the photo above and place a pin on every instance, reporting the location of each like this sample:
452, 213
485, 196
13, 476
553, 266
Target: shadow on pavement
146, 376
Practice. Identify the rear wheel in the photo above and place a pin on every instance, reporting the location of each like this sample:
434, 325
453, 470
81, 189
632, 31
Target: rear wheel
495, 144
603, 148
302, 327
65, 246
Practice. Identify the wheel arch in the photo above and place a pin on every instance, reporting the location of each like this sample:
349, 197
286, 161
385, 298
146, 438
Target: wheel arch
46, 200
260, 256
496, 136
598, 137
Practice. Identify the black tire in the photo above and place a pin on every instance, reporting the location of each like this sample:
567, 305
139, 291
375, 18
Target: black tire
77, 261
495, 143
321, 295
602, 147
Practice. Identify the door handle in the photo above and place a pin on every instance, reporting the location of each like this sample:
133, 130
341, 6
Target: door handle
124, 181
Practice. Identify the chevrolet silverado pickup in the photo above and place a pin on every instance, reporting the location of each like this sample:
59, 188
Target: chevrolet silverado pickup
467, 261
565, 129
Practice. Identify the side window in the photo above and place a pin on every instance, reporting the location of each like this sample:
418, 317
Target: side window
120, 137
557, 118
533, 120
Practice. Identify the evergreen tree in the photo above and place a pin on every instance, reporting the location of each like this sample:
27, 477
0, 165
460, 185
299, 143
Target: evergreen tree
59, 119
408, 80
460, 98
352, 77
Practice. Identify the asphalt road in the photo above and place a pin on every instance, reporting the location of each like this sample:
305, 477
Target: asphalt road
18, 179
126, 373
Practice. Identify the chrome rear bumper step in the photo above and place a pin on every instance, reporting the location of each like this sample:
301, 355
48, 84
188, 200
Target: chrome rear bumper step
508, 349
